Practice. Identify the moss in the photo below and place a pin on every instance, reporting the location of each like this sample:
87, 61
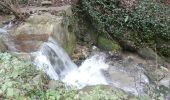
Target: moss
107, 44
69, 43
69, 46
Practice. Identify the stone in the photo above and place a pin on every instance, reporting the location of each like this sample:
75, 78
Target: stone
166, 81
37, 79
109, 45
147, 53
53, 84
130, 41
23, 56
37, 29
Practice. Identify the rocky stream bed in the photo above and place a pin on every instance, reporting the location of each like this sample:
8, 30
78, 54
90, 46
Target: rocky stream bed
134, 73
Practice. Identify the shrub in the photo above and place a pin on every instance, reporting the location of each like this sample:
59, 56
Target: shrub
148, 18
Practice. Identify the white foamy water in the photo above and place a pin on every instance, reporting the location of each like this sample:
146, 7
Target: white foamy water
56, 63
5, 28
89, 73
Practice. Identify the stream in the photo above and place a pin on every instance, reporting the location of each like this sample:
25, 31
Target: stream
126, 73
95, 70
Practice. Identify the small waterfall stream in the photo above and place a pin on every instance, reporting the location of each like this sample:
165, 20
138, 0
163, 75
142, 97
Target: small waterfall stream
56, 63
52, 59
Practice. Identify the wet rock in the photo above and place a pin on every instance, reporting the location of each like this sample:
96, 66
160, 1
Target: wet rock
53, 84
147, 53
129, 45
81, 52
127, 74
30, 35
166, 81
37, 79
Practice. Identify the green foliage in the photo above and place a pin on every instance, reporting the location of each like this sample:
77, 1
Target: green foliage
148, 18
17, 77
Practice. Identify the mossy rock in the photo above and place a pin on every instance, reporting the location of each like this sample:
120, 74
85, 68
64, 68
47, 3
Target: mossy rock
108, 45
3, 47
147, 53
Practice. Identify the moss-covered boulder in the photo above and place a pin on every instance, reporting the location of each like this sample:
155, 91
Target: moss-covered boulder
147, 53
107, 44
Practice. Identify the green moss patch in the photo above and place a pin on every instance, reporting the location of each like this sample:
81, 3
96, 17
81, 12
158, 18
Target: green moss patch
107, 44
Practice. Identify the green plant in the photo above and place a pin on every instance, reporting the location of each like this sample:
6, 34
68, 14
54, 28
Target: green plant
148, 18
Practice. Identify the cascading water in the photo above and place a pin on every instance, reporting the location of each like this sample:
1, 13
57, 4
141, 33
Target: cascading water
57, 64
52, 59
5, 28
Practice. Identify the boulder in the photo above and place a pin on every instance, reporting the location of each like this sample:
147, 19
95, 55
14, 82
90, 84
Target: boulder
37, 79
130, 41
30, 35
147, 53
107, 44
53, 84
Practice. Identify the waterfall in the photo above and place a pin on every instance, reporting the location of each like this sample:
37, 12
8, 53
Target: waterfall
56, 63
5, 28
